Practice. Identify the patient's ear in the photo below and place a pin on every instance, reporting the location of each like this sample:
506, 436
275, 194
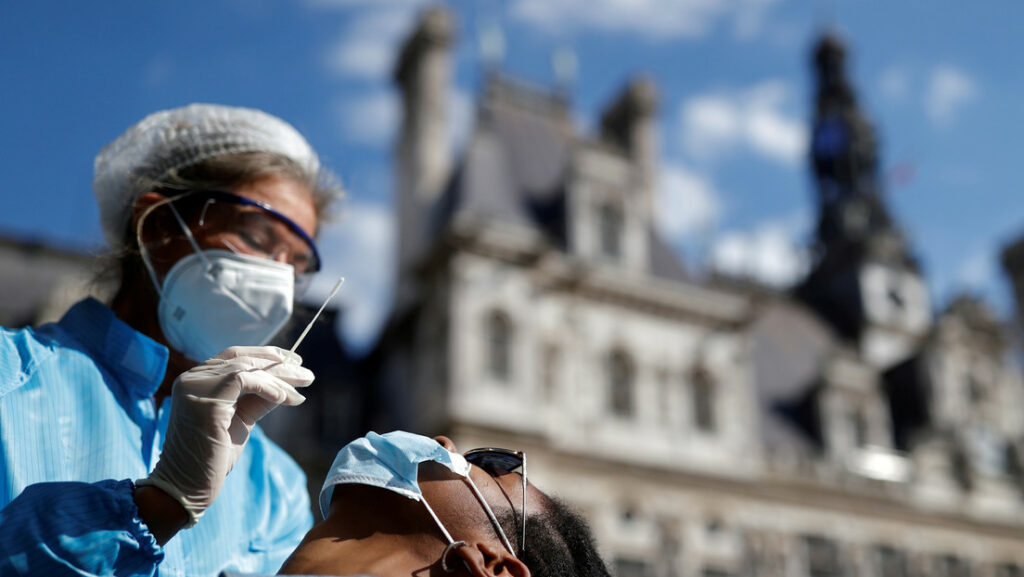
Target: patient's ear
487, 560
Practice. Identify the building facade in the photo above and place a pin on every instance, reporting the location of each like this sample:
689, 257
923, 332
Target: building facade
704, 428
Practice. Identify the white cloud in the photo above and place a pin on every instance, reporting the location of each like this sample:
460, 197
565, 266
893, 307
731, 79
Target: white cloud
894, 83
978, 271
749, 18
368, 46
769, 254
689, 203
754, 119
655, 19
711, 125
949, 90
371, 119
359, 246
769, 130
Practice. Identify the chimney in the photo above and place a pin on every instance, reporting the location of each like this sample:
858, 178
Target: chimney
423, 155
630, 123
1013, 264
423, 74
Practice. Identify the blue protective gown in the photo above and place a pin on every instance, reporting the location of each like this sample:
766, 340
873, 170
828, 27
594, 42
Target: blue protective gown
78, 424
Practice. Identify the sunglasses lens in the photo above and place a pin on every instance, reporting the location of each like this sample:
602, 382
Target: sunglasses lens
493, 462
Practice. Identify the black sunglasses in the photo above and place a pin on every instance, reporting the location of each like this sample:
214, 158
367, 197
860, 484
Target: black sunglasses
498, 462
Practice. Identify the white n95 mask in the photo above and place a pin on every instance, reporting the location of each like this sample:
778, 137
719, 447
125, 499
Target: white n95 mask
214, 299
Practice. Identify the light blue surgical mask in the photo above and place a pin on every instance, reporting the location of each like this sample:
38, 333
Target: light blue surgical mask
391, 461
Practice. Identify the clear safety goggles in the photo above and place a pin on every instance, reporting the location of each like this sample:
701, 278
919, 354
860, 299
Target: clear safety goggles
246, 226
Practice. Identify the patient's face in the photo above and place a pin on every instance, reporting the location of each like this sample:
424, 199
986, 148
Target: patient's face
459, 509
375, 531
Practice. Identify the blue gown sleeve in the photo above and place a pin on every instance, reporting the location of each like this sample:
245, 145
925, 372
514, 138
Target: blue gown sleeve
72, 528
295, 521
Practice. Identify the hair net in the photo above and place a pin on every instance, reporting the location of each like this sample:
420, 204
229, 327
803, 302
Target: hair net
180, 137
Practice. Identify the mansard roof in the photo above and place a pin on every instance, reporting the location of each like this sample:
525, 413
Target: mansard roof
790, 347
517, 167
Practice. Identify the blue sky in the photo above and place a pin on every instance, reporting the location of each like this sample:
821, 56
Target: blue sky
940, 79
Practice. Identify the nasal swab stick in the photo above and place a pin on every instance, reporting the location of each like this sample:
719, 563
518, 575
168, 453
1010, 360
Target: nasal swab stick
334, 291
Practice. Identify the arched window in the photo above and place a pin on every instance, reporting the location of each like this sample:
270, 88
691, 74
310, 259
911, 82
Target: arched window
610, 221
822, 557
620, 384
499, 346
703, 400
890, 562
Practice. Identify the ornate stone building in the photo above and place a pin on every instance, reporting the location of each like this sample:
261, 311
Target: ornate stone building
841, 428
705, 428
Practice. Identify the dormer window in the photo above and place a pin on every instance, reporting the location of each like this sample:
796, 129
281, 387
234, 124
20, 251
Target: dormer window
499, 345
611, 223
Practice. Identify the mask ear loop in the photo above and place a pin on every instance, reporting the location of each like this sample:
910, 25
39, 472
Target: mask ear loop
452, 543
447, 550
440, 526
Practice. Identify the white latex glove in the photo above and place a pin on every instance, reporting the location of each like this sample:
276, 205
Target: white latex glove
214, 406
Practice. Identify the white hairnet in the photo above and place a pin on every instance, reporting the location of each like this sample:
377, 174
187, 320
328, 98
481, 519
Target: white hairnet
180, 137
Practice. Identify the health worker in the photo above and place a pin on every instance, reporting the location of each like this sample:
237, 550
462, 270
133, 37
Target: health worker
128, 436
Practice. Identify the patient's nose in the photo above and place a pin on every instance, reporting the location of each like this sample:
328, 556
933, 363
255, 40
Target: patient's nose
446, 443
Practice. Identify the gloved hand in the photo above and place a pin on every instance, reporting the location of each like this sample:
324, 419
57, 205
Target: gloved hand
214, 406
